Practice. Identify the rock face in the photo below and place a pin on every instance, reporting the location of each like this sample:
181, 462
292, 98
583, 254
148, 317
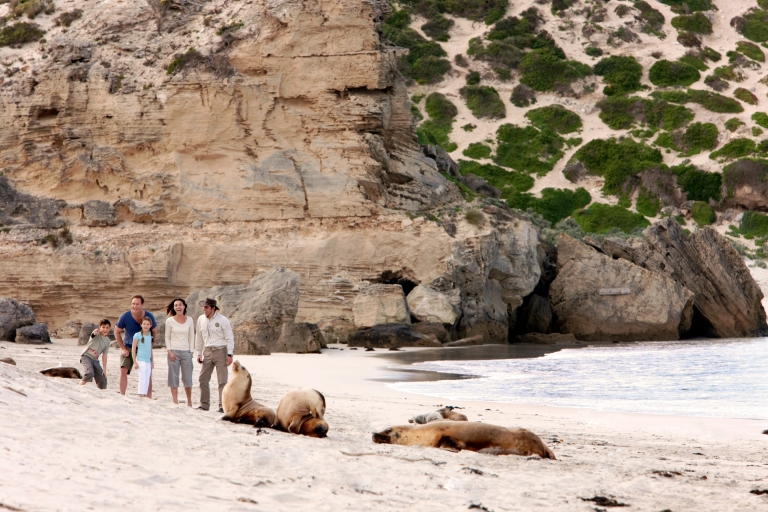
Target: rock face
35, 334
727, 301
85, 333
428, 305
656, 307
262, 314
380, 304
70, 329
13, 315
391, 336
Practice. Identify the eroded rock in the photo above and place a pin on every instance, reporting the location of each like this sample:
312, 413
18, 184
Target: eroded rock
380, 304
13, 315
35, 334
391, 336
429, 305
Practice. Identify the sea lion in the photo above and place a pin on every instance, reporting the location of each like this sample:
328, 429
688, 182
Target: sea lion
238, 405
467, 435
446, 413
8, 360
301, 412
421, 419
65, 372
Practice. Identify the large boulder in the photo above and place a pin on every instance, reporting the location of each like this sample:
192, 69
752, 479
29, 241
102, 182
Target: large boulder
727, 300
13, 315
258, 312
85, 332
597, 298
429, 305
380, 304
35, 334
71, 329
391, 336
437, 330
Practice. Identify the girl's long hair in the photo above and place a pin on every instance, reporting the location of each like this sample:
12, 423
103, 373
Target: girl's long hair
169, 311
142, 327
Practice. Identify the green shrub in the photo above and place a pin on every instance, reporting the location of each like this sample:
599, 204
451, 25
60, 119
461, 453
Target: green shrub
733, 124
621, 73
190, 58
473, 78
708, 53
437, 28
753, 25
621, 112
745, 96
684, 6
416, 98
617, 160
496, 53
688, 39
760, 118
554, 204
601, 218
542, 70
507, 181
477, 150
753, 225
734, 149
556, 118
696, 138
20, 33
66, 19
435, 130
474, 217
715, 102
697, 23
469, 127
694, 61
702, 213
757, 131
674, 96
751, 50
647, 204
425, 62
664, 73
699, 185
593, 51
475, 10
483, 101
513, 27
653, 20
729, 73
528, 149
522, 96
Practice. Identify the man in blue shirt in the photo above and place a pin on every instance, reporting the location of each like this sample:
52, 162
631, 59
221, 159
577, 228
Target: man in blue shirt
130, 323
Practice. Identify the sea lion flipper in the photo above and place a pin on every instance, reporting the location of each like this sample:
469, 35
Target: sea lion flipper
295, 426
447, 443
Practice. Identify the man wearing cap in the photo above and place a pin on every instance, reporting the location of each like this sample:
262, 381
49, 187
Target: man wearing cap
215, 344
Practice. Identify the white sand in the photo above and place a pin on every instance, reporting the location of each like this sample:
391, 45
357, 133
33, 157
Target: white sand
66, 447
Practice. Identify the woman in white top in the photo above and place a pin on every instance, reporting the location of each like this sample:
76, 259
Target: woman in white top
180, 342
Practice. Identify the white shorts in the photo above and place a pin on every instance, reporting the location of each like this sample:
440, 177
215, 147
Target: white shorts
145, 372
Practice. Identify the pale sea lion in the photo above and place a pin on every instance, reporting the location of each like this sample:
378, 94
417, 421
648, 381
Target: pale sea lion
467, 435
8, 360
421, 419
65, 372
238, 405
301, 412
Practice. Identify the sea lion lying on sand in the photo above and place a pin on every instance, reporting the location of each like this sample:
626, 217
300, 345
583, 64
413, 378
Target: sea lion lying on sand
446, 413
8, 360
301, 412
467, 435
65, 372
238, 405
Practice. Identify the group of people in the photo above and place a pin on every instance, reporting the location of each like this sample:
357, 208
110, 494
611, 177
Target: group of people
210, 337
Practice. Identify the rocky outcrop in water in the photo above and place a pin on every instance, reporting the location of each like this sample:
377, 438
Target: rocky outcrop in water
597, 298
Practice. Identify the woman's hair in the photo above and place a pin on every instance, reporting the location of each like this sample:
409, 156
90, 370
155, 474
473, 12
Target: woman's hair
169, 309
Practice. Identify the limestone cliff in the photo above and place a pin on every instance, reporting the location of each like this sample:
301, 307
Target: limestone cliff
284, 138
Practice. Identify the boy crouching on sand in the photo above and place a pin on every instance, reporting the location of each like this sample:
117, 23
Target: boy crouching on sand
97, 345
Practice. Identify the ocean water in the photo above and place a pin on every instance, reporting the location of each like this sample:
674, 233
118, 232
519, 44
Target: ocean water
717, 378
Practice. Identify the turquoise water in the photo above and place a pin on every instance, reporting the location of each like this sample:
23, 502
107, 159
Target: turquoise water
721, 378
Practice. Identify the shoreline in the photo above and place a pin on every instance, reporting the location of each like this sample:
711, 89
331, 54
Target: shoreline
70, 447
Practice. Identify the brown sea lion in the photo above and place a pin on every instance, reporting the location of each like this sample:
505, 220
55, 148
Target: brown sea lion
7, 360
467, 435
65, 372
301, 412
448, 414
238, 405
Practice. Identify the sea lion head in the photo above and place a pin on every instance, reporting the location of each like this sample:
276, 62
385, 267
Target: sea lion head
314, 427
236, 367
392, 435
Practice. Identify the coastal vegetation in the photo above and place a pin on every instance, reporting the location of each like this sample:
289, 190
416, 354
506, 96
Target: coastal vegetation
435, 130
601, 218
528, 148
483, 101
665, 73
556, 118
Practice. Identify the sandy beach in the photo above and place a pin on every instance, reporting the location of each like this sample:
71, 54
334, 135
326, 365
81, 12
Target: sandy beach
67, 447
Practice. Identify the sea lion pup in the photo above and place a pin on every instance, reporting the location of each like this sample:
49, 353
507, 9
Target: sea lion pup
301, 412
65, 372
467, 435
238, 405
422, 419
7, 360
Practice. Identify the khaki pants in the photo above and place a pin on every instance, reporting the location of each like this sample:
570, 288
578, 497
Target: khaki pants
212, 356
